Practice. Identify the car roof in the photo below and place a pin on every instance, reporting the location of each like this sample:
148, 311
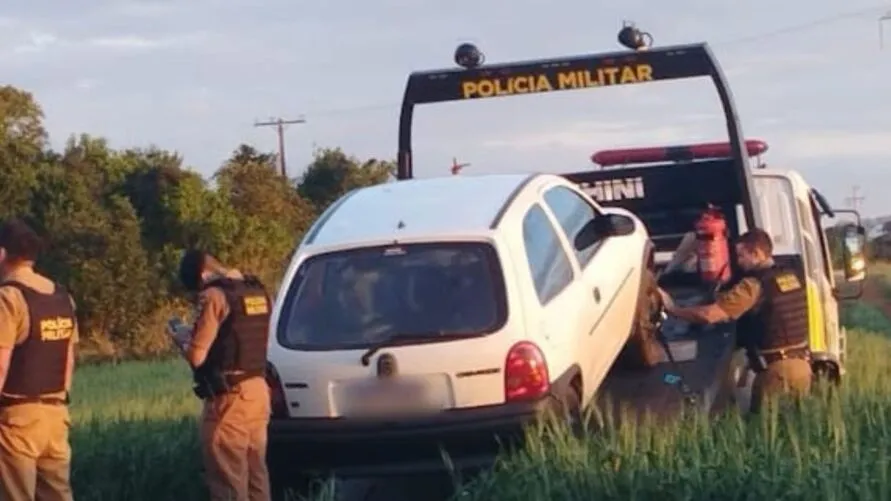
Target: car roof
443, 205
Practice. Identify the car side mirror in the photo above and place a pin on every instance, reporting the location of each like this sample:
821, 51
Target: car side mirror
601, 227
847, 244
854, 253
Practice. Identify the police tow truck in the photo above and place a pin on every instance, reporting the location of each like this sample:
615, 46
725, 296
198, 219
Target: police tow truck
675, 191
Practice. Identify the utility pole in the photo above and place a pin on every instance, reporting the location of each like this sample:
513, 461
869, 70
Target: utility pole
854, 200
886, 17
280, 129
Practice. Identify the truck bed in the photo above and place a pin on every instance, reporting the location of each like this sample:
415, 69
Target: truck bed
632, 393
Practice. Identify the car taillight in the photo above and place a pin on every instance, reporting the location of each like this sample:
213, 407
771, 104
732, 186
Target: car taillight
276, 392
525, 372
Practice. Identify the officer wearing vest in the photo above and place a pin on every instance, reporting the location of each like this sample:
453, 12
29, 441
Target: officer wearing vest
38, 331
227, 351
769, 303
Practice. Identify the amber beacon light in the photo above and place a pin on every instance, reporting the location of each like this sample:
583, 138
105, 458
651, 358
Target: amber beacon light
633, 38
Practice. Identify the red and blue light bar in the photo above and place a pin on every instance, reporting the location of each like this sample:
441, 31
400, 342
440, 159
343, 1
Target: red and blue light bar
655, 154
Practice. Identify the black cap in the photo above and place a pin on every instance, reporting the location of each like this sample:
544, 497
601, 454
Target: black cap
190, 268
20, 240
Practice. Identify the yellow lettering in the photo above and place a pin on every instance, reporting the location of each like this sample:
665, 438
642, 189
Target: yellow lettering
256, 305
542, 84
56, 329
610, 74
522, 84
469, 89
787, 282
567, 80
486, 88
644, 73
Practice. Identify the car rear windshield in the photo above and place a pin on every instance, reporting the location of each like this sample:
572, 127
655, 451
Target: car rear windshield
356, 298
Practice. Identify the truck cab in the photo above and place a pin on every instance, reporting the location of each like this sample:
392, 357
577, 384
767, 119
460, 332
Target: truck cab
799, 219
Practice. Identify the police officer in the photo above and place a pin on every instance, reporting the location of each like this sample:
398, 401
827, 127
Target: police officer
227, 352
770, 305
38, 331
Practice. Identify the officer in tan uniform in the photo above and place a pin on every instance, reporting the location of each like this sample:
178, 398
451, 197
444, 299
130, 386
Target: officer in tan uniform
770, 306
38, 331
227, 352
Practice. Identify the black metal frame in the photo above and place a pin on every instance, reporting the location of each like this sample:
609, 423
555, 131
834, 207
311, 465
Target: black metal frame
668, 63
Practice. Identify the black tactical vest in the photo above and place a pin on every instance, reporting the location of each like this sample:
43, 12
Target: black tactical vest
39, 365
780, 318
240, 344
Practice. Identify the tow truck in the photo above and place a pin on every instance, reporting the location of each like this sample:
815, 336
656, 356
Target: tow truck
668, 188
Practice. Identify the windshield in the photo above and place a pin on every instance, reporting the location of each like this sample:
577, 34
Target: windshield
353, 299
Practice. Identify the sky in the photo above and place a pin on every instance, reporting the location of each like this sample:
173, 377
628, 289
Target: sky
194, 76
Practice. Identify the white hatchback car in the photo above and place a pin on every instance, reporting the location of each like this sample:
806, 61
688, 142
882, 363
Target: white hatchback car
445, 313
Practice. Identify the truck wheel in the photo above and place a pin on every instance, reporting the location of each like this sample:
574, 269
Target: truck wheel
824, 371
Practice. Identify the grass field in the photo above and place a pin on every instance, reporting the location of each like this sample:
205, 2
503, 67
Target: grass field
134, 437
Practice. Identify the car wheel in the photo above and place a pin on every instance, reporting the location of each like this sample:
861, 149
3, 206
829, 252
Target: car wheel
289, 485
571, 411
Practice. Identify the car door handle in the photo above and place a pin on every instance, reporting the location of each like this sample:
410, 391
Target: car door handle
596, 293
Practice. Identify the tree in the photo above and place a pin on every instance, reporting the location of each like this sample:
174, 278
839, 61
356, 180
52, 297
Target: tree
118, 221
270, 213
96, 252
332, 174
22, 141
247, 154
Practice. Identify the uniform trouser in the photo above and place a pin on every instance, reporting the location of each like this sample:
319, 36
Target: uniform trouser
791, 376
233, 436
35, 456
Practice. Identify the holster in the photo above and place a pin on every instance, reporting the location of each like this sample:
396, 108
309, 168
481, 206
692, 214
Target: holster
210, 384
757, 362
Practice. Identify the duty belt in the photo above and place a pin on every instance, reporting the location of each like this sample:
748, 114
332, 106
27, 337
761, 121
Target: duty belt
11, 401
234, 379
775, 355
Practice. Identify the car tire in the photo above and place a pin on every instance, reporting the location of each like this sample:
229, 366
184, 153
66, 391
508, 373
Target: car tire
571, 411
290, 485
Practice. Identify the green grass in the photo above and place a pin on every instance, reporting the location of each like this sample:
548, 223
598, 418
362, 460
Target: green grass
134, 433
134, 437
835, 447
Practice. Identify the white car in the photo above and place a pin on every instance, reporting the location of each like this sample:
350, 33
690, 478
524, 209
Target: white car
446, 312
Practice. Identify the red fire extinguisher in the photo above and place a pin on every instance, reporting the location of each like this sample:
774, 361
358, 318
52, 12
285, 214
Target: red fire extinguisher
712, 249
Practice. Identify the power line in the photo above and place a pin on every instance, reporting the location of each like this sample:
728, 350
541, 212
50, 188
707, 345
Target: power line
807, 25
280, 130
751, 38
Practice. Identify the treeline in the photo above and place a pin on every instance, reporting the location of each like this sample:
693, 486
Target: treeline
116, 221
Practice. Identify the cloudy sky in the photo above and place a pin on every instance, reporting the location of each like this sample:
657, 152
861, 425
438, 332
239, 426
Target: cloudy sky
194, 76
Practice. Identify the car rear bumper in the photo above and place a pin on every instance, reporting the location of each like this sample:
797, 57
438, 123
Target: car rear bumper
471, 438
